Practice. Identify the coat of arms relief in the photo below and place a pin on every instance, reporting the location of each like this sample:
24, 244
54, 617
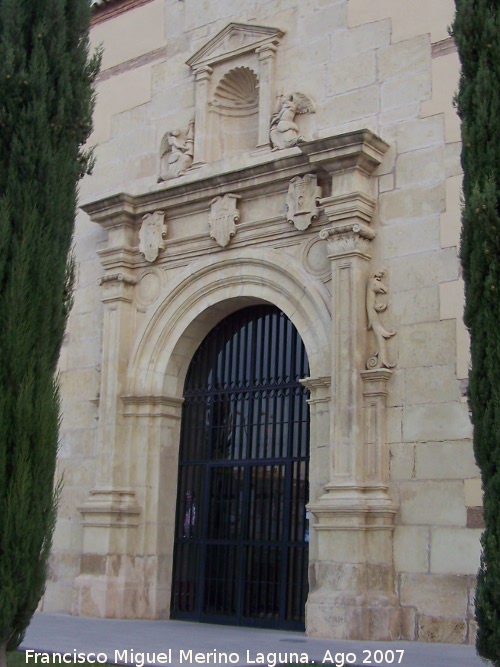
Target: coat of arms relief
223, 218
152, 235
302, 201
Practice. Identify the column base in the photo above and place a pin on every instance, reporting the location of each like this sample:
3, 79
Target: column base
352, 579
118, 586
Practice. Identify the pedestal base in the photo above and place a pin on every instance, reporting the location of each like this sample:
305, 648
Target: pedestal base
344, 616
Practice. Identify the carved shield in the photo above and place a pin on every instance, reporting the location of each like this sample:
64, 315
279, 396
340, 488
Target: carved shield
223, 218
301, 201
152, 235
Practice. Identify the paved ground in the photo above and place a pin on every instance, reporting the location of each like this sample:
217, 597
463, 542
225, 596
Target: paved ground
180, 642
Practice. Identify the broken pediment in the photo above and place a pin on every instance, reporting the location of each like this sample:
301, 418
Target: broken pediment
234, 40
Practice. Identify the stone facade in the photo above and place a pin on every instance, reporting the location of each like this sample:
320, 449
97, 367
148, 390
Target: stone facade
303, 154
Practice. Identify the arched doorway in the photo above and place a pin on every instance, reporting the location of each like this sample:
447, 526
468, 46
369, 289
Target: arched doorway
241, 536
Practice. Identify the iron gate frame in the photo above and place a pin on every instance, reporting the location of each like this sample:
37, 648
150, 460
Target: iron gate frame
194, 513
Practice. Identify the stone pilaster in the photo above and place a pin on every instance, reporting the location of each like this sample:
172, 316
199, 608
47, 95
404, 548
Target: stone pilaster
348, 246
153, 431
107, 584
202, 76
267, 56
352, 584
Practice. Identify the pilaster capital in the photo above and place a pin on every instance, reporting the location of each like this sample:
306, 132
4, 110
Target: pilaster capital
152, 406
266, 51
117, 287
117, 278
352, 238
319, 388
203, 73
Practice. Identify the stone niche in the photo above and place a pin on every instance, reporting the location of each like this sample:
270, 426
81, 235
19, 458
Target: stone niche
235, 91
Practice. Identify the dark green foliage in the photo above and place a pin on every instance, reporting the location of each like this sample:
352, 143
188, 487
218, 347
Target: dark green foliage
477, 33
46, 103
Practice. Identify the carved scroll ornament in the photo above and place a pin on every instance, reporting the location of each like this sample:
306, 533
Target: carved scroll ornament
376, 303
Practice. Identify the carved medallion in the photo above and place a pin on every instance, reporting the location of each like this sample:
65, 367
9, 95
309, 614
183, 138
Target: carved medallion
302, 199
223, 218
152, 235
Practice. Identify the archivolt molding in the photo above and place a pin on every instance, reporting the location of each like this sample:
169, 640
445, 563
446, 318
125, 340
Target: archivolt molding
208, 291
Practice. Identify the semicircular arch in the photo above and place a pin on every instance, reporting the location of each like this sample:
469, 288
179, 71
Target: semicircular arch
206, 292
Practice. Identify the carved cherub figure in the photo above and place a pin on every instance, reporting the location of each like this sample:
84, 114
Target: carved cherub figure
374, 306
284, 133
176, 153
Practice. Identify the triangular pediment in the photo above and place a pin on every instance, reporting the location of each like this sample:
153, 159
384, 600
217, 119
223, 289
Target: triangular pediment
233, 40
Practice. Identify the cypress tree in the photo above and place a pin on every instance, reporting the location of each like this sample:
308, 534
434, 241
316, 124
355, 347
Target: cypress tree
46, 102
477, 34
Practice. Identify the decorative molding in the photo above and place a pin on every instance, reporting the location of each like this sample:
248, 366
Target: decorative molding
335, 154
133, 63
152, 235
120, 214
376, 303
234, 40
319, 388
110, 508
116, 278
443, 48
302, 201
355, 204
152, 406
354, 507
107, 9
117, 258
148, 287
112, 212
223, 218
315, 259
314, 383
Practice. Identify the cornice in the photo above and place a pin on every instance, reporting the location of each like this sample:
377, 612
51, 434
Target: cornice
266, 172
107, 9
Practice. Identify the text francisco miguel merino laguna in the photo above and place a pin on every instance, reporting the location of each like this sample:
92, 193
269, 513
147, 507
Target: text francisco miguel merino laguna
185, 656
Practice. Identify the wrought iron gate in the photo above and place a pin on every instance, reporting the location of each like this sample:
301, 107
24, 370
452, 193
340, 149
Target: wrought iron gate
241, 537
